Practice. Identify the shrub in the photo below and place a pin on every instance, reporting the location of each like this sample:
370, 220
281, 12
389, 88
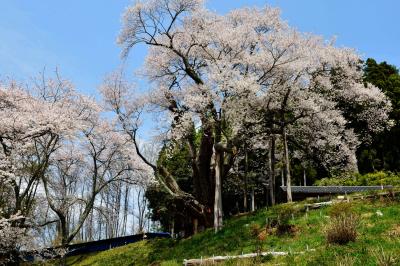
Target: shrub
356, 179
342, 229
343, 226
340, 209
284, 215
255, 229
345, 179
259, 234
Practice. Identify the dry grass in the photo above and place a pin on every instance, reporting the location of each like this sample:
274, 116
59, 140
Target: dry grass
343, 226
385, 258
395, 231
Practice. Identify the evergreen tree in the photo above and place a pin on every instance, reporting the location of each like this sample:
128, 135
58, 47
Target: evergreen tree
383, 153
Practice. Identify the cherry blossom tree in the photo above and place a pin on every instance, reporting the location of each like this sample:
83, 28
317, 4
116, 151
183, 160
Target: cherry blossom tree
219, 73
99, 157
12, 237
321, 104
32, 119
120, 98
54, 142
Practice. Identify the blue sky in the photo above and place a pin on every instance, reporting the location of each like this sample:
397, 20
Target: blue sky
78, 36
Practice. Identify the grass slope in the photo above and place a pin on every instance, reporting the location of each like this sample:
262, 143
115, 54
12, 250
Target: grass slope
375, 233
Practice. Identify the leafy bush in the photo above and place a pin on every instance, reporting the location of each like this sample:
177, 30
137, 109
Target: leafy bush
343, 226
356, 179
341, 209
346, 179
255, 229
259, 234
285, 213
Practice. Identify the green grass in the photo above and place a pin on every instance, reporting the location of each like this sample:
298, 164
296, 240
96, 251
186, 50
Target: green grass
375, 232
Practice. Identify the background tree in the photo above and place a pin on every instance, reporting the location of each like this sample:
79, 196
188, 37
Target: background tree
102, 158
57, 153
383, 151
32, 121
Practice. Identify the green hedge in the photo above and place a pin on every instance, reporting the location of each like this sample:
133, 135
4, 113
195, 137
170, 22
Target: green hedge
356, 179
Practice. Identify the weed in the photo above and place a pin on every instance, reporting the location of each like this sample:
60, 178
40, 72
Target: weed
343, 226
345, 260
385, 258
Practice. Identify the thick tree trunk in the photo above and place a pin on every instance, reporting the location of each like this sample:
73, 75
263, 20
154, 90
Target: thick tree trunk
287, 167
202, 174
195, 208
203, 177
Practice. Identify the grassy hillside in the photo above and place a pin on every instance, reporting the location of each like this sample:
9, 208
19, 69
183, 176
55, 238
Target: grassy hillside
376, 232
